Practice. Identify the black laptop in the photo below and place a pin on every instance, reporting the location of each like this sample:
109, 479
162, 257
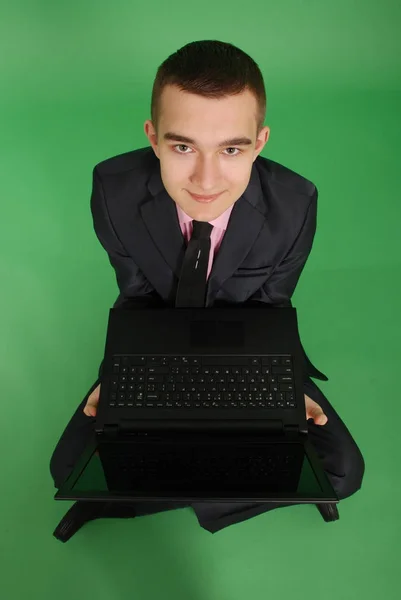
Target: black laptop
201, 404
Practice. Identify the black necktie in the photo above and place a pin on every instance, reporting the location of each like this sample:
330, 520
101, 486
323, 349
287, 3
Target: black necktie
192, 284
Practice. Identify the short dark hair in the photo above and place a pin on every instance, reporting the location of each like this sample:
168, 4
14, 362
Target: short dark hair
212, 69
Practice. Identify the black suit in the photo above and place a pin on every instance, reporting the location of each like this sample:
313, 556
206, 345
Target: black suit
263, 252
264, 249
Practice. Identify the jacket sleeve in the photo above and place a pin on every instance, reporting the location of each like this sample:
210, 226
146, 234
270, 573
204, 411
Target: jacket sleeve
281, 285
130, 280
135, 290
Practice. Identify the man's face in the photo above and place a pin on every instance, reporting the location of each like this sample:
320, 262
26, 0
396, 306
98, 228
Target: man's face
202, 166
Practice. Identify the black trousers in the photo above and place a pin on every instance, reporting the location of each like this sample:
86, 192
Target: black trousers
341, 458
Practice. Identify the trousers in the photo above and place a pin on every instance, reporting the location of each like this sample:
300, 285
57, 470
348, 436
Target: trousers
341, 458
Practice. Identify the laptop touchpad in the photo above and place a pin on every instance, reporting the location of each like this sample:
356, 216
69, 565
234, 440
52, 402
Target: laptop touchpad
216, 333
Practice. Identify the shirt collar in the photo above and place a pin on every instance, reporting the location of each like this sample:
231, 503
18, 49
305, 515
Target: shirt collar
220, 222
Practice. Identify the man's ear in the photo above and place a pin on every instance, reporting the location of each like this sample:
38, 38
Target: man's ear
151, 135
261, 140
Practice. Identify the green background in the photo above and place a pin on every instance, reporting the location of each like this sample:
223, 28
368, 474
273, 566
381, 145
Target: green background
76, 81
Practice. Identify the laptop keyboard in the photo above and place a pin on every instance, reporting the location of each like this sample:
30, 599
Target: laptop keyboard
171, 382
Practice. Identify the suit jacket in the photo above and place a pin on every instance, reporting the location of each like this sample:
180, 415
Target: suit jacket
264, 249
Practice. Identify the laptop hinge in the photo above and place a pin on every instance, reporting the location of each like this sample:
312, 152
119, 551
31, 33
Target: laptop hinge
270, 426
294, 429
276, 426
111, 430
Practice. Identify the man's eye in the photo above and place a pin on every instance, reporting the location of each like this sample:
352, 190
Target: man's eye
181, 146
229, 154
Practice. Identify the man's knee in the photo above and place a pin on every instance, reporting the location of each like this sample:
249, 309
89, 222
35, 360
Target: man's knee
62, 462
353, 469
56, 468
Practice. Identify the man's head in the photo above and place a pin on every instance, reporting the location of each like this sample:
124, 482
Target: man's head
209, 92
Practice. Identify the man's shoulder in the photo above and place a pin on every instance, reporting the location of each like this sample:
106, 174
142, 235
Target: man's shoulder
282, 178
140, 159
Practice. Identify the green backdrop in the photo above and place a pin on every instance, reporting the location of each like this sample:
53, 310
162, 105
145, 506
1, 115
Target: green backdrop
76, 80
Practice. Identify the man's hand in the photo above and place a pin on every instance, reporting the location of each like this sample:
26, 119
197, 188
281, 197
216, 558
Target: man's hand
93, 400
314, 411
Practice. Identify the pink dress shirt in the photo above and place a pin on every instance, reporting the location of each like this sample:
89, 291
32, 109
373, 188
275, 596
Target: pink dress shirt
216, 236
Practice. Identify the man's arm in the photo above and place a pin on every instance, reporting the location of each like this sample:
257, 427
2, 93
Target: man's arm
280, 286
135, 290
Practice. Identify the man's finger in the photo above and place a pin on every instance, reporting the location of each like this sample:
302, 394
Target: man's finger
320, 418
90, 407
90, 410
314, 411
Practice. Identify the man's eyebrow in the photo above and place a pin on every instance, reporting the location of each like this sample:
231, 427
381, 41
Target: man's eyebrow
237, 141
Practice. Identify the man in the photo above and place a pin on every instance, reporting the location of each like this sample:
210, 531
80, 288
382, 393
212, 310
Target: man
259, 222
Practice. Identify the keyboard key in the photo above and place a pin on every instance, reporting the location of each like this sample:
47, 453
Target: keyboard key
155, 378
283, 370
286, 387
154, 360
137, 360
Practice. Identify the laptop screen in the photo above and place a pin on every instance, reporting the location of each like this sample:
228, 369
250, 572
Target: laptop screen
196, 466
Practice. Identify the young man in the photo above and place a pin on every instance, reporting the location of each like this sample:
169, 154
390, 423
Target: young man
203, 173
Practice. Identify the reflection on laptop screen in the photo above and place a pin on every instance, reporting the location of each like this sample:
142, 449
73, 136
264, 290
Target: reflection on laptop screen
208, 470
